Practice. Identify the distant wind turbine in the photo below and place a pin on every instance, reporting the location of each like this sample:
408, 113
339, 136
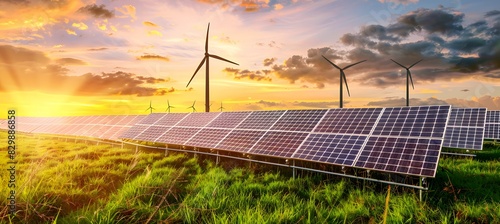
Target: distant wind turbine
168, 107
408, 79
207, 83
192, 106
150, 108
342, 79
221, 107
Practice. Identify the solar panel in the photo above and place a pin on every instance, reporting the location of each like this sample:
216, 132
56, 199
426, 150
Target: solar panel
197, 119
240, 140
299, 120
349, 121
229, 119
413, 121
337, 149
465, 128
150, 133
208, 138
171, 119
151, 119
278, 144
492, 126
177, 135
261, 120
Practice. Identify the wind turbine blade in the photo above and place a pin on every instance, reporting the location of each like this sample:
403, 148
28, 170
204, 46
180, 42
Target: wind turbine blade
345, 81
331, 63
223, 59
346, 67
411, 80
415, 63
206, 40
199, 66
398, 63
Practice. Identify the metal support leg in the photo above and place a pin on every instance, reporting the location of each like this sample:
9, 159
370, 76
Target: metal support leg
420, 191
294, 171
217, 159
166, 151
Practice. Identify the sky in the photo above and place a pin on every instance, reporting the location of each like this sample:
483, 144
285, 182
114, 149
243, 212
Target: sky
93, 57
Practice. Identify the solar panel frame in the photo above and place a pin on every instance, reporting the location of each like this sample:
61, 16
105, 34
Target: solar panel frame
466, 128
492, 125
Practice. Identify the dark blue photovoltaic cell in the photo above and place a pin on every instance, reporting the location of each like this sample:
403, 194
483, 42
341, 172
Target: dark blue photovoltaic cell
197, 119
401, 155
330, 148
278, 144
299, 120
413, 121
240, 140
229, 119
261, 120
349, 121
465, 128
493, 116
208, 138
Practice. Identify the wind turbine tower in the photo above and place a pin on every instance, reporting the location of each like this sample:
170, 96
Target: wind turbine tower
207, 82
408, 79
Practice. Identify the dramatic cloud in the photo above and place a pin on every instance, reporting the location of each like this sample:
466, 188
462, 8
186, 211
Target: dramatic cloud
28, 70
153, 57
97, 11
451, 51
70, 61
262, 75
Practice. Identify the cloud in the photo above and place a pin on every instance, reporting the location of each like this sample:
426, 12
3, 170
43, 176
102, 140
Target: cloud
29, 70
226, 39
245, 5
149, 24
97, 49
260, 75
492, 13
269, 61
153, 57
270, 103
127, 10
490, 102
70, 32
80, 26
97, 11
154, 33
70, 61
278, 6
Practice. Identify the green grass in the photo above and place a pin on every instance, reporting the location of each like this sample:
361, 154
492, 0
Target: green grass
67, 182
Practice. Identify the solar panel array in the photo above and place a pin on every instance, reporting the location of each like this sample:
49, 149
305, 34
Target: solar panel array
104, 126
465, 128
492, 126
403, 140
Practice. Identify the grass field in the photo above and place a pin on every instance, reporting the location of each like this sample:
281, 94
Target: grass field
67, 182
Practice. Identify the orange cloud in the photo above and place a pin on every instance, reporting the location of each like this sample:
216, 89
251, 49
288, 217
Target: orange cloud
80, 26
70, 32
153, 57
128, 10
278, 6
154, 33
150, 24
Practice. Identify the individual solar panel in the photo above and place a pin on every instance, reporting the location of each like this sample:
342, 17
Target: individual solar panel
299, 120
492, 126
278, 144
171, 119
207, 138
349, 121
229, 119
339, 149
197, 119
465, 128
261, 120
412, 156
240, 140
114, 132
422, 121
178, 135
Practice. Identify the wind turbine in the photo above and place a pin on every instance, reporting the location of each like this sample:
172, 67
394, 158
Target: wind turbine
220, 108
207, 83
168, 107
150, 108
192, 106
342, 79
408, 75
